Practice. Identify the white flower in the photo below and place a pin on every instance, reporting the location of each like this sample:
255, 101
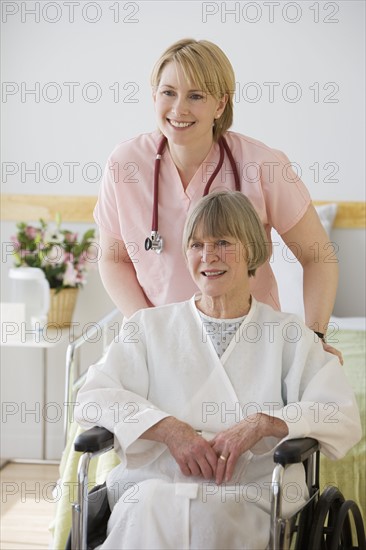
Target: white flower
54, 256
53, 236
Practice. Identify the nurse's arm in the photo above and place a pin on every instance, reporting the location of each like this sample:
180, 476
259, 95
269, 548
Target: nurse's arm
310, 243
119, 277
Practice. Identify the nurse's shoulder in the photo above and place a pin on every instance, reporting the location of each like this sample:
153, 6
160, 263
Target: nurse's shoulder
142, 147
252, 150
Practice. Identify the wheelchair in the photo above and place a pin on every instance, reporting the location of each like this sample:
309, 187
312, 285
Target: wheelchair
326, 522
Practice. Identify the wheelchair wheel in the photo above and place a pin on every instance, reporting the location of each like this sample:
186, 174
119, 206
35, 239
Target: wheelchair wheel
331, 529
325, 521
343, 519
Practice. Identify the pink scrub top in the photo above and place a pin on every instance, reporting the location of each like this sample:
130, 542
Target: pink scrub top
125, 203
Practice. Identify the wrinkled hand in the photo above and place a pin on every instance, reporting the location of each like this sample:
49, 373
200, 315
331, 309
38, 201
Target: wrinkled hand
238, 439
192, 452
335, 351
233, 442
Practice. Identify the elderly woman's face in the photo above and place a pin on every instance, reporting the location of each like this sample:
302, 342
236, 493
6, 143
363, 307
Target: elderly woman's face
217, 266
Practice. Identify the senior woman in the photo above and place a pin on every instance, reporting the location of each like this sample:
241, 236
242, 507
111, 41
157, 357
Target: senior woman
198, 394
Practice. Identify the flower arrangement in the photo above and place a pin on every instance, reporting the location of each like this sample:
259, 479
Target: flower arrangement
58, 252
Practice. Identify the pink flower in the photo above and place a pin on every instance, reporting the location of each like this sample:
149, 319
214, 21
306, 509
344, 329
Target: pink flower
70, 275
68, 257
70, 237
31, 232
15, 242
54, 250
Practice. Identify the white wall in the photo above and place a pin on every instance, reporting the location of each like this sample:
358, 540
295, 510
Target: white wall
323, 60
300, 88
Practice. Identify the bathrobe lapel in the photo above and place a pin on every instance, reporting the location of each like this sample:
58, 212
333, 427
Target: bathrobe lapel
217, 395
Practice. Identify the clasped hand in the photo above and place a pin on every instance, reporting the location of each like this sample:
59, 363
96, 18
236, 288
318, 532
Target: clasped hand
217, 458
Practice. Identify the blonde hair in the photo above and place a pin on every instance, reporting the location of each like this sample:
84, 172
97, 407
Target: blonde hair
206, 66
229, 214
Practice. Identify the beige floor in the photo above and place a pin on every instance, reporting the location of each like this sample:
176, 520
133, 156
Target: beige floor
27, 505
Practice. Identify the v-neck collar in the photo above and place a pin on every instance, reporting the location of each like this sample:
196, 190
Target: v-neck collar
218, 374
237, 336
198, 182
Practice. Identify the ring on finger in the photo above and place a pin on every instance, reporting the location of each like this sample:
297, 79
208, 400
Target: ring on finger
222, 457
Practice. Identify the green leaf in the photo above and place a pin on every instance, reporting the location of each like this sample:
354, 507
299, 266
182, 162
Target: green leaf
58, 219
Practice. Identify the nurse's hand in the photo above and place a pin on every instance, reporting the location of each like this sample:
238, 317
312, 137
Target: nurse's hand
331, 349
233, 442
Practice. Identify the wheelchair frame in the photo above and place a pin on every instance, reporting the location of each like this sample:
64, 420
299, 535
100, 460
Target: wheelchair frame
311, 529
74, 379
309, 522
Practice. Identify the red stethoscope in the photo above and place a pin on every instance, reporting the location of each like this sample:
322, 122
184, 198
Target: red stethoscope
155, 241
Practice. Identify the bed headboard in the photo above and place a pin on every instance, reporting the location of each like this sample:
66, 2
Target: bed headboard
350, 215
348, 234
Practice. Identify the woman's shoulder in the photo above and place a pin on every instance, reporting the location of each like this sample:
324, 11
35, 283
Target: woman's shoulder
166, 312
289, 326
253, 148
269, 315
140, 145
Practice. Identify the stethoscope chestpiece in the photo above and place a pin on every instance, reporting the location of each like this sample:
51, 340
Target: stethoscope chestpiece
155, 242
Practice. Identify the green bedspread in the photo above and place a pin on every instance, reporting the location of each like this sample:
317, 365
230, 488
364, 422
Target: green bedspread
347, 474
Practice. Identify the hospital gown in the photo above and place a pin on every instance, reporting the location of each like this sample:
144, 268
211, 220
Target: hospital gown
164, 364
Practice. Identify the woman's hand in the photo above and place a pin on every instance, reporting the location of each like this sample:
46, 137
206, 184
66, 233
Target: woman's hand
233, 442
331, 349
192, 452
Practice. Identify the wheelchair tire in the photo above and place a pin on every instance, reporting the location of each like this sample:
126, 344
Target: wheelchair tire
325, 520
343, 519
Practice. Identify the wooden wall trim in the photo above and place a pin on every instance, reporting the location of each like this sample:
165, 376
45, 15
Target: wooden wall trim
33, 207
30, 208
350, 215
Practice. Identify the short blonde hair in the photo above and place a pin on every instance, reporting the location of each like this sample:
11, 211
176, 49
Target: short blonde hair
229, 214
206, 66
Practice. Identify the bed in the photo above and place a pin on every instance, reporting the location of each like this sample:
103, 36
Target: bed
349, 473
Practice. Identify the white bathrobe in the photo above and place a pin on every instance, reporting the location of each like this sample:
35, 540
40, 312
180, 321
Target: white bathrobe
164, 364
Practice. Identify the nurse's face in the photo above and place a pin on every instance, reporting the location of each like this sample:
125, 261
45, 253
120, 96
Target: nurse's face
218, 266
185, 114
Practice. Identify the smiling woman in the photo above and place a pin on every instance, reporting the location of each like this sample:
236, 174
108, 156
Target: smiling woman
199, 353
193, 86
185, 117
195, 65
223, 251
189, 103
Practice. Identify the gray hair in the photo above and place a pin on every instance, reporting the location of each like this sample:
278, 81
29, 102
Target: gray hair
229, 214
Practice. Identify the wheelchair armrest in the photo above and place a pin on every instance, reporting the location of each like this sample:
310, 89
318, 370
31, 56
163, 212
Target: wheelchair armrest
94, 440
294, 451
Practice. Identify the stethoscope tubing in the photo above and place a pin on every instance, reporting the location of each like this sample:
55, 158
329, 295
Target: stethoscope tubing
155, 242
159, 152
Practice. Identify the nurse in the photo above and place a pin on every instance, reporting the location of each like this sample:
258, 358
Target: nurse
202, 393
192, 86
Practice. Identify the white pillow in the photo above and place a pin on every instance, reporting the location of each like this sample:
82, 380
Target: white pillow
288, 270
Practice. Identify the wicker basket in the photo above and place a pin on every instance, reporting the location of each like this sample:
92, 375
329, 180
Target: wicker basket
62, 305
